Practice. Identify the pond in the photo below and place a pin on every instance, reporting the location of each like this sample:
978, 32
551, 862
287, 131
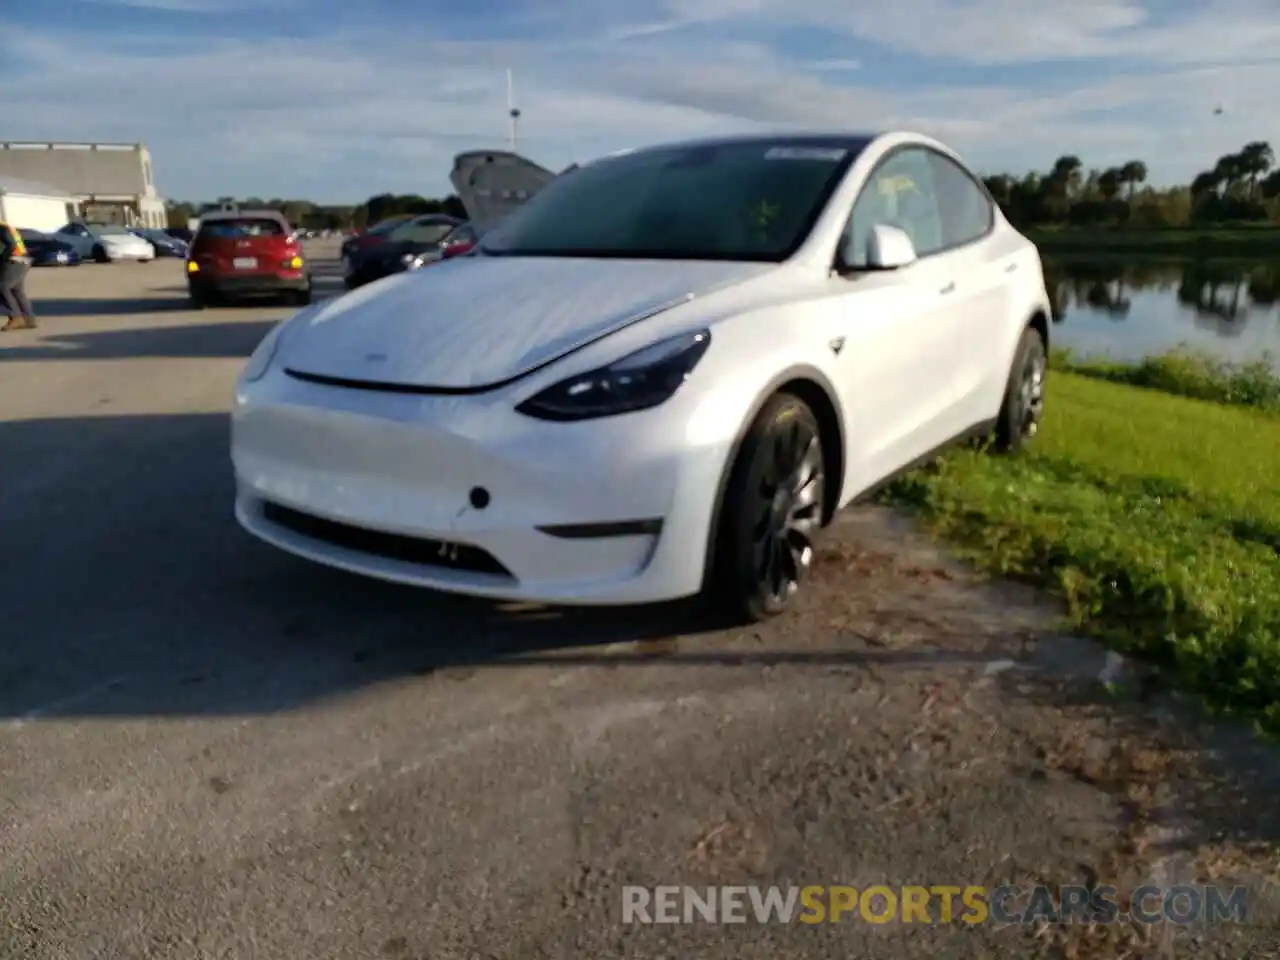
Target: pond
1129, 308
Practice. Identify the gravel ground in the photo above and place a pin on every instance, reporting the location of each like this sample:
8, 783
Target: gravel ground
210, 749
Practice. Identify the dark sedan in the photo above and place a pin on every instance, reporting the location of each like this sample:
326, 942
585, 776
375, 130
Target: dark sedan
165, 244
397, 250
47, 251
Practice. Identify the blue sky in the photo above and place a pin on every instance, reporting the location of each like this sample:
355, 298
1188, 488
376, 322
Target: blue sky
335, 101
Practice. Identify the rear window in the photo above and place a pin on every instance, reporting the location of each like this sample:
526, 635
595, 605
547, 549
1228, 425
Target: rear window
243, 227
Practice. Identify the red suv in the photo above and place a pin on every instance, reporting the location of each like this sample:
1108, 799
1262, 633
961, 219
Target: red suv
246, 253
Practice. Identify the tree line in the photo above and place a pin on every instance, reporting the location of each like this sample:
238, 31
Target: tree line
1241, 187
308, 215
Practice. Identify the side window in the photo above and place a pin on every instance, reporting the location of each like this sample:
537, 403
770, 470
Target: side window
966, 212
899, 193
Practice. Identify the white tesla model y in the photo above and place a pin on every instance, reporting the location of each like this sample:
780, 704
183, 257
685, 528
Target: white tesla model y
660, 375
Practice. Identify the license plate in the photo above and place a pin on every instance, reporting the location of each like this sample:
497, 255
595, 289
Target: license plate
245, 263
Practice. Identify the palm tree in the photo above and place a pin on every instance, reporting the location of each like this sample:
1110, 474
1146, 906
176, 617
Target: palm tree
1066, 172
1229, 171
1205, 183
1133, 173
1109, 182
1254, 161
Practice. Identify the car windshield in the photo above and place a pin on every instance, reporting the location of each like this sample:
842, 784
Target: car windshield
243, 227
386, 226
745, 200
426, 231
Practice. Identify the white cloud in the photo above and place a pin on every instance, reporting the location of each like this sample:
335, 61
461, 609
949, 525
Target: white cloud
193, 6
834, 65
355, 114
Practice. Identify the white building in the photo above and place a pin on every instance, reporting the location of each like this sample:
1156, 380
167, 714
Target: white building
28, 205
112, 181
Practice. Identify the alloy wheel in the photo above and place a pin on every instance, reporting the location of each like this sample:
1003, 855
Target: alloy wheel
789, 510
1031, 393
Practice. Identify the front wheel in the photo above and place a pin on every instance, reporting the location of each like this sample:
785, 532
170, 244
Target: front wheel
773, 507
1023, 406
100, 254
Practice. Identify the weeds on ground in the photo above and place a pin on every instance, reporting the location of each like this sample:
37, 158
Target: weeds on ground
1187, 373
1155, 517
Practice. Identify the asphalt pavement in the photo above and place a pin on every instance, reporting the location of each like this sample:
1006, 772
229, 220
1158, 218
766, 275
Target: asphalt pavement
209, 749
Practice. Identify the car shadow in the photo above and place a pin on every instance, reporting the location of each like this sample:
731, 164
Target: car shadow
108, 307
152, 601
134, 594
209, 340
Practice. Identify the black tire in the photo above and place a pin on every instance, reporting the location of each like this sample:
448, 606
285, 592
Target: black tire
773, 508
301, 298
1023, 406
100, 254
196, 301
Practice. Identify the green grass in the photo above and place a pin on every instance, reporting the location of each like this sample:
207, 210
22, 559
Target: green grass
1155, 516
1189, 374
1236, 240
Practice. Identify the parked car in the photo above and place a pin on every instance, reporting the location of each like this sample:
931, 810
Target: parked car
47, 251
246, 253
165, 245
399, 249
358, 242
461, 240
660, 376
105, 242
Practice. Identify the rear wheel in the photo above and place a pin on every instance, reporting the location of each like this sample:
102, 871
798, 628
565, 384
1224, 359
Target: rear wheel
100, 254
300, 298
773, 507
1023, 405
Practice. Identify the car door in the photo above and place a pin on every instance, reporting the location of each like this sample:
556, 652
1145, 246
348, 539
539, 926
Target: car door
983, 297
903, 333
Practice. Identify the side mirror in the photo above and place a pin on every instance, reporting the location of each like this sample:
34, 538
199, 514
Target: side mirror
889, 248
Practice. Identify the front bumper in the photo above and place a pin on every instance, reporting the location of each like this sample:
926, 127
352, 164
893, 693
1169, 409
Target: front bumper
55, 260
129, 253
360, 273
381, 484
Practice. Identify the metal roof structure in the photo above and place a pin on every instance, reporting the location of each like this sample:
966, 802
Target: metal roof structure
102, 170
31, 188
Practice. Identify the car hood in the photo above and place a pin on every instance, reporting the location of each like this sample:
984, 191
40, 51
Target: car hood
476, 322
492, 183
119, 239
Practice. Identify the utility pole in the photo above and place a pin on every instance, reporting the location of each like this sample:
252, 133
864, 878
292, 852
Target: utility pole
512, 112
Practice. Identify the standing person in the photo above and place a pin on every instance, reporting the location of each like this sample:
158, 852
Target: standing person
14, 265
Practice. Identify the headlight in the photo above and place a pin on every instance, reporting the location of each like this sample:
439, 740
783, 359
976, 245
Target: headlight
260, 360
638, 381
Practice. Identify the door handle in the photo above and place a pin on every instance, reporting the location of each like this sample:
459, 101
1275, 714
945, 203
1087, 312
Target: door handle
949, 288
1010, 268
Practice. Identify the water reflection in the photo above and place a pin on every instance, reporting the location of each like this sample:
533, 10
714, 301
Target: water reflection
1127, 309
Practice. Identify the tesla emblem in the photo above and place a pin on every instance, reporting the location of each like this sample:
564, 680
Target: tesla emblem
375, 357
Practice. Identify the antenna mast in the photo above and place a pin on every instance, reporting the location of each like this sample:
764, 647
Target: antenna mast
513, 112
